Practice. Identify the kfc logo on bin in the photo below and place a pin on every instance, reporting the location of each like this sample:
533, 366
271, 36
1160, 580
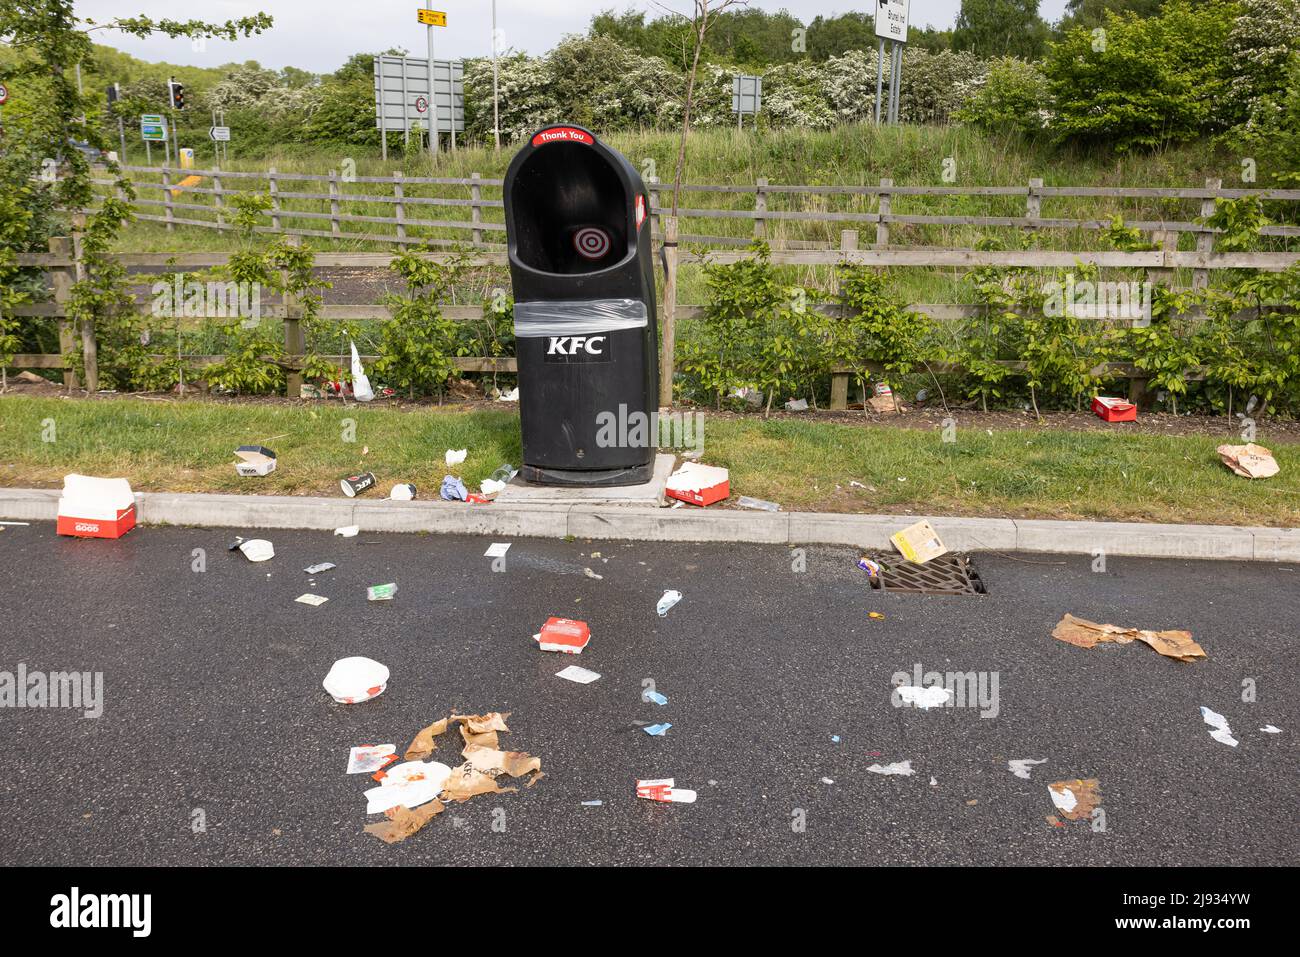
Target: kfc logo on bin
577, 349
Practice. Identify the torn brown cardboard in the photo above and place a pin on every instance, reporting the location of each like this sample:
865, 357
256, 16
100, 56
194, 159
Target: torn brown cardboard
919, 543
1087, 634
423, 744
479, 729
493, 762
468, 781
403, 822
1249, 461
1076, 799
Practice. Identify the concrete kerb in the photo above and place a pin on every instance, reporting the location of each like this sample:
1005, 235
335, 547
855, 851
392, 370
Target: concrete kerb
686, 524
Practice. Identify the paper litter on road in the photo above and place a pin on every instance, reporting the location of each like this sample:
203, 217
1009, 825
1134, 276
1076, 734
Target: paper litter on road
257, 550
930, 696
665, 790
408, 772
402, 823
1022, 766
348, 531
310, 599
381, 592
354, 680
657, 730
903, 768
919, 543
577, 673
1087, 634
654, 696
1076, 799
369, 758
593, 803
408, 794
1219, 723
497, 550
1269, 729
317, 569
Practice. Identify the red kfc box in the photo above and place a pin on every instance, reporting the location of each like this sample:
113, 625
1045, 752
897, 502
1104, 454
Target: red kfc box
95, 507
1114, 410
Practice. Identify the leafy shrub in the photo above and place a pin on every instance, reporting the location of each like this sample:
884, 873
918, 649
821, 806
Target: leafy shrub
1014, 96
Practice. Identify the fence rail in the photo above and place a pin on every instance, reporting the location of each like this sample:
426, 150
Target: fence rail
465, 196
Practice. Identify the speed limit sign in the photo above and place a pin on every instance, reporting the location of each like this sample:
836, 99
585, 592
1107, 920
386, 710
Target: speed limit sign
421, 104
4, 94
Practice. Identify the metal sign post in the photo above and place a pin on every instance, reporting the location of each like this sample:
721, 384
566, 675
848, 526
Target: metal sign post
434, 18
153, 129
891, 25
401, 85
496, 96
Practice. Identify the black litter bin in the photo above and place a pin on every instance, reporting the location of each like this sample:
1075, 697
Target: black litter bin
587, 340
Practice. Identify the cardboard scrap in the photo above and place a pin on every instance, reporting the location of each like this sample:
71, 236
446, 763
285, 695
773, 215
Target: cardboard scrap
477, 729
919, 543
468, 781
1249, 461
493, 762
403, 822
422, 746
1086, 634
1077, 799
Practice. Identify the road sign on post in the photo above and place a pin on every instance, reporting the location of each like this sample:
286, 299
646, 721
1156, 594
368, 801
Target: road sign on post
746, 96
4, 94
432, 18
891, 25
153, 128
891, 20
219, 134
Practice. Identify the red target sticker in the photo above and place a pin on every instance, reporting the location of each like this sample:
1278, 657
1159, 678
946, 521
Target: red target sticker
591, 242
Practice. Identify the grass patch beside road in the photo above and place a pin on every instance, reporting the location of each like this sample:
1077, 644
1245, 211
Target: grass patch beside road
186, 446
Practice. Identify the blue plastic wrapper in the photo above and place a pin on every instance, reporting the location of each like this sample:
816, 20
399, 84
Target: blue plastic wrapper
453, 489
657, 730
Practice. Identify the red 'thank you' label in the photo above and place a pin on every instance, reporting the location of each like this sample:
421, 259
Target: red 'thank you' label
563, 134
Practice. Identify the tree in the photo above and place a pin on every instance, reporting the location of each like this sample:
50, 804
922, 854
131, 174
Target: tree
1092, 13
990, 28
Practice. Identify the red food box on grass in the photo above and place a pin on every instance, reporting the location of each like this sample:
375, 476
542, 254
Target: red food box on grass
95, 507
1114, 410
564, 635
699, 484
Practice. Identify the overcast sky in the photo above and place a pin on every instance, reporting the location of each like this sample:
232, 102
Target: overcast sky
318, 35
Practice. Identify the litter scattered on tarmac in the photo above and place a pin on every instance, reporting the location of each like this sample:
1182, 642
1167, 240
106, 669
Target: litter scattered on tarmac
579, 674
654, 696
919, 543
1076, 799
354, 680
257, 550
1269, 729
593, 803
381, 592
348, 531
664, 789
564, 635
901, 768
1022, 766
1087, 634
310, 599
317, 569
497, 550
669, 599
656, 730
590, 574
1219, 723
369, 758
930, 696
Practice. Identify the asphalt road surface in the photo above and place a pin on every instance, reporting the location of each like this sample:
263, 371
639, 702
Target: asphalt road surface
214, 715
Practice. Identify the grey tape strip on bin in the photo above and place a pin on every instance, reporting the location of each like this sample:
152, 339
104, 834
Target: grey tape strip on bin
581, 318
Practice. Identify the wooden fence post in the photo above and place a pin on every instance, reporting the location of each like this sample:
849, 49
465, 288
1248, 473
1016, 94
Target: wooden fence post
840, 380
399, 208
273, 188
656, 219
760, 207
669, 324
1034, 202
883, 206
1205, 241
168, 212
334, 203
61, 279
476, 210
89, 346
218, 196
295, 343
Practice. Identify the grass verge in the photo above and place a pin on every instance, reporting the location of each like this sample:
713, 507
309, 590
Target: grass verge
185, 446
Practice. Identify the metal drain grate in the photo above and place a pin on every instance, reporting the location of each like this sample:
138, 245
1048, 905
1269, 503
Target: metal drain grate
946, 575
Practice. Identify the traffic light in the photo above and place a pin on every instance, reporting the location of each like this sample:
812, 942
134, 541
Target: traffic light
176, 93
114, 93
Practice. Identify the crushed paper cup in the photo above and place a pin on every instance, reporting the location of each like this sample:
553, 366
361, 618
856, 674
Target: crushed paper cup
354, 680
402, 492
348, 531
455, 456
